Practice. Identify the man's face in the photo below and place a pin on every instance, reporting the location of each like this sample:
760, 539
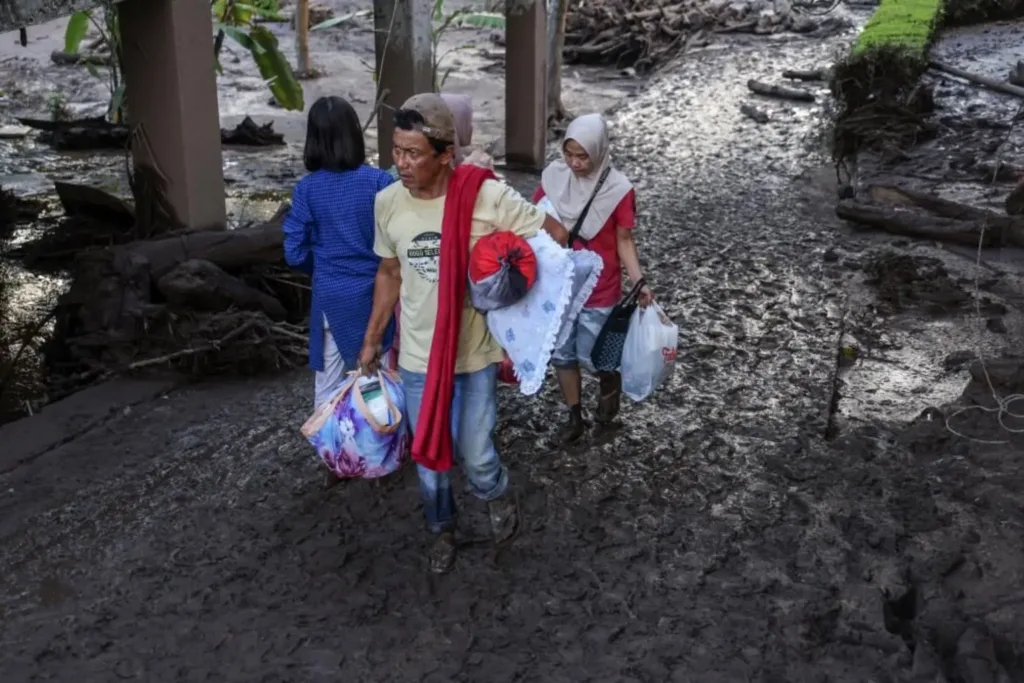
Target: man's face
577, 158
418, 163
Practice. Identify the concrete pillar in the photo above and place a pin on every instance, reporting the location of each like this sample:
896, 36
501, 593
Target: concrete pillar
405, 61
525, 80
171, 89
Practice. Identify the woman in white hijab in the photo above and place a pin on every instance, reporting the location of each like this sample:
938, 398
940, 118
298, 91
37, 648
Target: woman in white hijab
586, 174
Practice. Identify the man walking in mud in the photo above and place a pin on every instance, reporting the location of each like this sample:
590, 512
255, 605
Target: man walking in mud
425, 227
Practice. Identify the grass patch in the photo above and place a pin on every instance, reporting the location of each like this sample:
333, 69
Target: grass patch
902, 24
879, 103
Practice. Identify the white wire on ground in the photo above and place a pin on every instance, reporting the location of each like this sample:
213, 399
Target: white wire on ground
1002, 405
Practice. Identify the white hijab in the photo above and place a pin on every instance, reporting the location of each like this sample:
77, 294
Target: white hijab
569, 193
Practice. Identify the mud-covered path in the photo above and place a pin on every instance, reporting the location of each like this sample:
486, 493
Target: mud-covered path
716, 537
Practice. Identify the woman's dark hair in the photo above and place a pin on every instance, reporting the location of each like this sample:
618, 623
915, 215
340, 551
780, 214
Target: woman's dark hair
334, 137
408, 119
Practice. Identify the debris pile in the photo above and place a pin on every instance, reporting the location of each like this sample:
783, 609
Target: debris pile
632, 33
147, 296
199, 303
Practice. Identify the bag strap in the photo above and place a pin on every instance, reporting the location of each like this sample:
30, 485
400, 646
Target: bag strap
634, 293
364, 410
575, 233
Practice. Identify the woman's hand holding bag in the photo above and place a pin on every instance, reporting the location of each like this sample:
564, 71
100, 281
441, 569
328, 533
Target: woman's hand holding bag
649, 354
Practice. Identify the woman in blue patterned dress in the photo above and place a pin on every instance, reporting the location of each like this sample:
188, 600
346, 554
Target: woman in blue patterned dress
329, 234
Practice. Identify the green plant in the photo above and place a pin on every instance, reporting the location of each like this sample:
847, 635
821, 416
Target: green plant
459, 18
110, 33
57, 106
237, 21
232, 19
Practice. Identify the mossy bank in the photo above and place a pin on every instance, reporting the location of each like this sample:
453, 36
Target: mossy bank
880, 105
875, 86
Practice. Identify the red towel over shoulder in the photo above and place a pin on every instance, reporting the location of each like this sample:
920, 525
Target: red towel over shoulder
432, 445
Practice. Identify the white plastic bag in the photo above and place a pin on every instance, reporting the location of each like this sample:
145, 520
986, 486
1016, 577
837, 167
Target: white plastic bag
649, 355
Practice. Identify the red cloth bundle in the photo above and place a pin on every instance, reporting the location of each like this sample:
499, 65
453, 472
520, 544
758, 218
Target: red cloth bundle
507, 372
502, 268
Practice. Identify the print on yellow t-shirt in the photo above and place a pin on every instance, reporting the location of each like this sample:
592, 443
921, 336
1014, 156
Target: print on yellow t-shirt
409, 229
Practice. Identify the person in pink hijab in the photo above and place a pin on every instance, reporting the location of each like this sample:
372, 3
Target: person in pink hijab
461, 107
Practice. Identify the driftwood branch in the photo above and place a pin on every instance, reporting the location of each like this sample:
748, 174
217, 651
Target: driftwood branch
901, 196
779, 91
71, 59
985, 81
798, 75
920, 215
231, 250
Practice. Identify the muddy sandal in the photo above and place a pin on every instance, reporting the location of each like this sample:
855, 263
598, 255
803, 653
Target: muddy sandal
611, 398
505, 518
442, 553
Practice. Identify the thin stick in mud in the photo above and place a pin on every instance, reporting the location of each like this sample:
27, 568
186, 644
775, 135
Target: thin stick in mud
779, 91
984, 81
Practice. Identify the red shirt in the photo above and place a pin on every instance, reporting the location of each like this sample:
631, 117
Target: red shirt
605, 244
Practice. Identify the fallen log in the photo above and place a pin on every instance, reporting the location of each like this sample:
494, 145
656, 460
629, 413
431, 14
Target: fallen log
153, 299
984, 81
80, 135
891, 194
98, 133
779, 91
230, 250
50, 125
798, 75
202, 286
754, 113
76, 58
914, 224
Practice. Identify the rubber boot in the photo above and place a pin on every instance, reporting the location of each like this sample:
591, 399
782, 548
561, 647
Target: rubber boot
611, 398
574, 428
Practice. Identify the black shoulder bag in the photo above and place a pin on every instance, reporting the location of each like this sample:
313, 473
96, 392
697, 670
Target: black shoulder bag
606, 355
575, 233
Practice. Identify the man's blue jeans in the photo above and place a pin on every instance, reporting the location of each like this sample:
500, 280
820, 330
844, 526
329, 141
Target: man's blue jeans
474, 416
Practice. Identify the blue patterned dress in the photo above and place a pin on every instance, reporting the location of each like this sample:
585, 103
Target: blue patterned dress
329, 234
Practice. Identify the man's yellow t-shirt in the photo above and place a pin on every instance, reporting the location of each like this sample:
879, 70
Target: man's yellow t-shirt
409, 229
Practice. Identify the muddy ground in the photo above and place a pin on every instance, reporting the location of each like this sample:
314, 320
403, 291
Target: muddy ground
718, 536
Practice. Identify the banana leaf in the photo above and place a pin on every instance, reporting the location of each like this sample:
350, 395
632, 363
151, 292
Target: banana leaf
276, 70
78, 26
